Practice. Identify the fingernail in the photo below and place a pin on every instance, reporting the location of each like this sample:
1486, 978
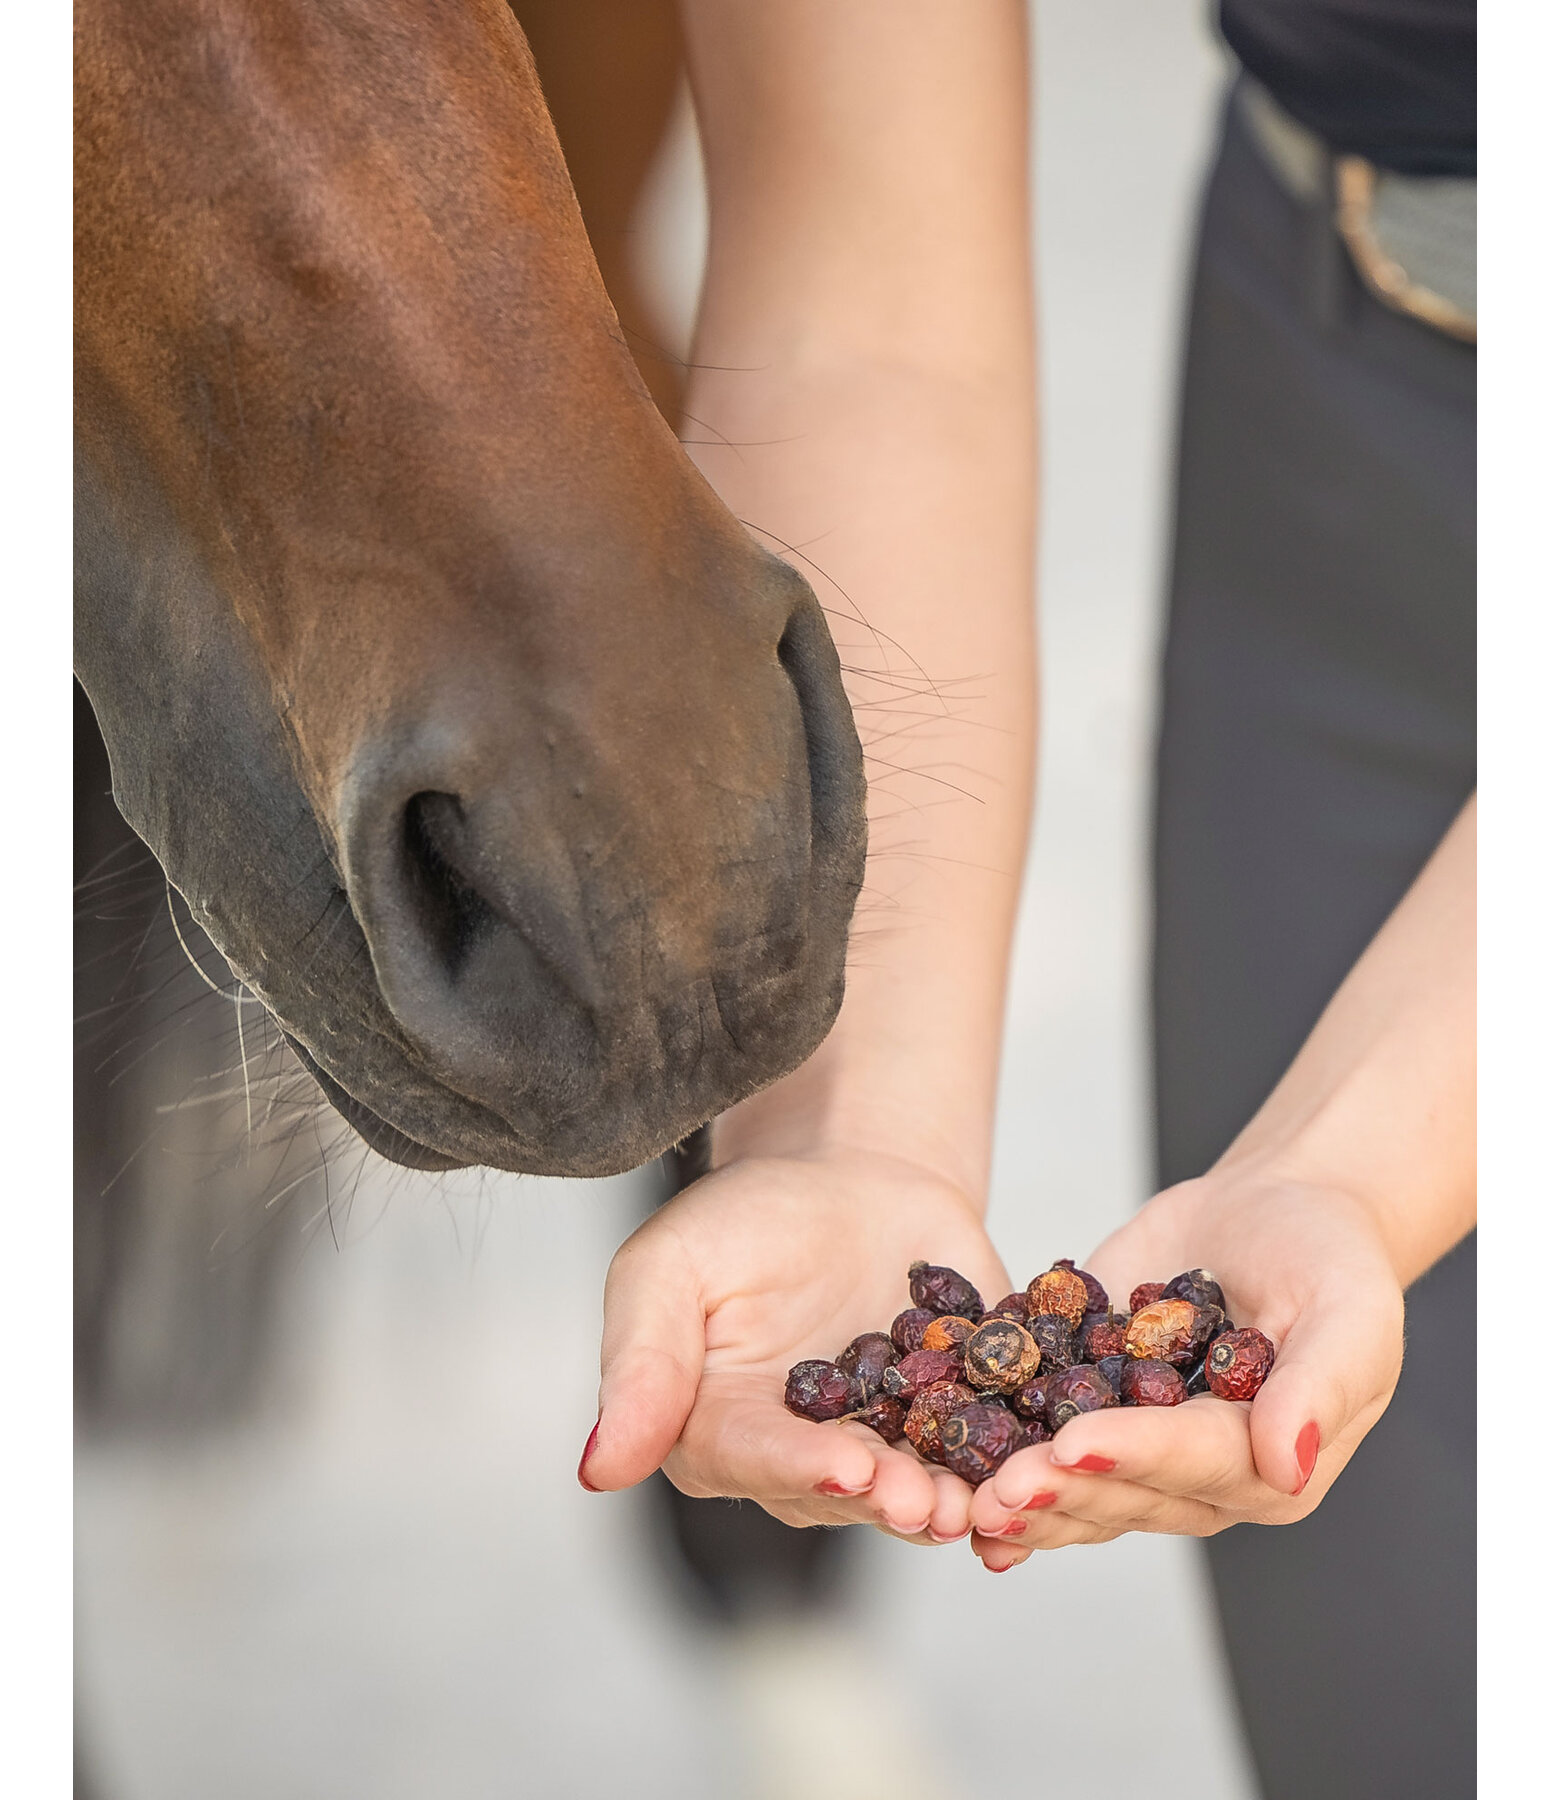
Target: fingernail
1013, 1528
581, 1467
1000, 1568
956, 1537
1093, 1464
1045, 1497
839, 1488
1307, 1454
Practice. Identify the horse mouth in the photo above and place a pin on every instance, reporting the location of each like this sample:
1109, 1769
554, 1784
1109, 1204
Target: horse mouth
387, 1140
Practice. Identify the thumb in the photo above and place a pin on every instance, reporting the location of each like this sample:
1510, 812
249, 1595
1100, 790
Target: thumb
1336, 1369
653, 1351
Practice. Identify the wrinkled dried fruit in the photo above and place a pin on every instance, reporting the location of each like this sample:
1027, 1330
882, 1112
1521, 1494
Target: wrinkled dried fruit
908, 1328
820, 1390
1012, 1306
1060, 1291
1029, 1400
1078, 1390
1196, 1378
1111, 1368
1035, 1431
1102, 1334
885, 1416
1238, 1363
1198, 1286
921, 1369
1097, 1293
1147, 1294
1210, 1322
930, 1410
977, 1439
1057, 1346
945, 1291
949, 1333
864, 1359
1000, 1355
1164, 1330
1146, 1382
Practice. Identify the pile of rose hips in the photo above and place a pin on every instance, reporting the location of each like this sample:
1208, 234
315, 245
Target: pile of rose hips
967, 1387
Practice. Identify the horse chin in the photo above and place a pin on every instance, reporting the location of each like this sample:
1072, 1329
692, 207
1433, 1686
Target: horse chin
387, 1140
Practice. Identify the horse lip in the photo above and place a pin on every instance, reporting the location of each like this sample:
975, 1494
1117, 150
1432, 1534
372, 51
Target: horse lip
387, 1140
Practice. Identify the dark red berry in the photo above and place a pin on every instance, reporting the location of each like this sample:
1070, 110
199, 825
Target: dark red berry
1012, 1306
950, 1332
1148, 1294
1079, 1390
929, 1411
1146, 1382
1238, 1363
1060, 1291
1164, 1330
884, 1415
945, 1291
1102, 1334
1196, 1379
864, 1359
1198, 1286
1057, 1345
1035, 1431
1111, 1368
1097, 1294
1000, 1355
977, 1439
909, 1327
1029, 1400
921, 1369
820, 1390
1210, 1322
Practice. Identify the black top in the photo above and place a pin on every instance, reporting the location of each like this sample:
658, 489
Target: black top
1391, 80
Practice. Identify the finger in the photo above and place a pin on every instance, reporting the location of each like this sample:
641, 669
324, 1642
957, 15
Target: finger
1052, 1533
903, 1499
740, 1441
1103, 1500
1200, 1448
653, 1350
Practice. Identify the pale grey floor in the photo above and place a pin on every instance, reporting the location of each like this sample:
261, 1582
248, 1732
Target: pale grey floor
393, 1589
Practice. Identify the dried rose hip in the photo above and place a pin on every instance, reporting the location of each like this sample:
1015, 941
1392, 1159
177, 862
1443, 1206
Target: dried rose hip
1146, 1382
1102, 1334
908, 1328
1164, 1330
884, 1415
1111, 1368
1210, 1323
1148, 1294
945, 1291
977, 1439
1013, 1306
1238, 1363
1060, 1291
1000, 1355
1097, 1294
864, 1359
1197, 1379
921, 1369
1029, 1400
1078, 1390
1035, 1431
820, 1390
1057, 1347
1198, 1286
948, 1333
929, 1411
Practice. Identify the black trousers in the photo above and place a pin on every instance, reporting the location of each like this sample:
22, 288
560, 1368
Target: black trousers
1317, 739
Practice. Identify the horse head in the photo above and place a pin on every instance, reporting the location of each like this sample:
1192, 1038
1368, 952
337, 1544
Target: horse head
492, 752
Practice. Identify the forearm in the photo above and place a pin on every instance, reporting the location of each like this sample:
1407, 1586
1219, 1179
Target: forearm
1380, 1102
863, 397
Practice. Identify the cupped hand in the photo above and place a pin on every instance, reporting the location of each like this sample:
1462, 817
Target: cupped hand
755, 1267
1307, 1265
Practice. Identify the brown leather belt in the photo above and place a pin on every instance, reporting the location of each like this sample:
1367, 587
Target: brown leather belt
1411, 237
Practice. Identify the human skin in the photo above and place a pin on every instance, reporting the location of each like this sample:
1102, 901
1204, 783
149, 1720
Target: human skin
868, 317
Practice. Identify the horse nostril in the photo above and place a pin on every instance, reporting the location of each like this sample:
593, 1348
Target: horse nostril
439, 862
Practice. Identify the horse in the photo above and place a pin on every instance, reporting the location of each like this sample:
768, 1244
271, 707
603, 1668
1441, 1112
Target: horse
499, 761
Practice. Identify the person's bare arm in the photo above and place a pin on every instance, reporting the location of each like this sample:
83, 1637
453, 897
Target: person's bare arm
1356, 1175
862, 397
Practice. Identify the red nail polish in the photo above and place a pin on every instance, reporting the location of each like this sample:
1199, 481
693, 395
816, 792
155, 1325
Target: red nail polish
1307, 1454
1093, 1464
1004, 1569
1015, 1528
838, 1488
581, 1467
1047, 1497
